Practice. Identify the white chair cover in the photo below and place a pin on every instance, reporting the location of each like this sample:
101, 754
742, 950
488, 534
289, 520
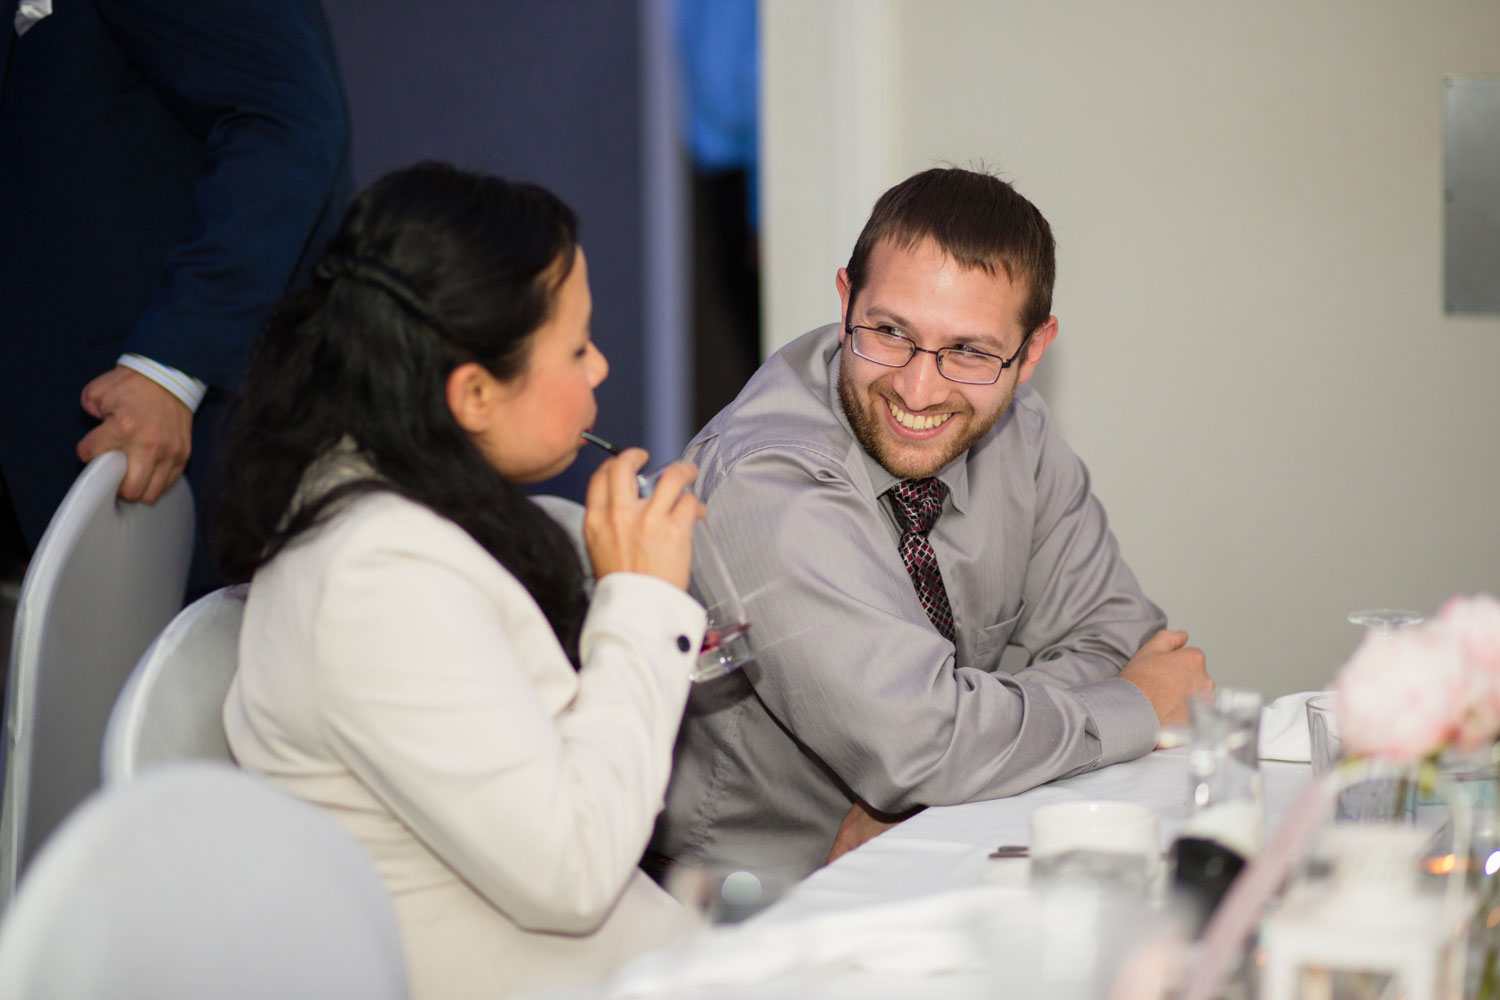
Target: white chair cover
105, 578
172, 706
569, 514
201, 880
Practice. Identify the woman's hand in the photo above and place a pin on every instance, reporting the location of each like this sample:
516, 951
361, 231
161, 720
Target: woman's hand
625, 533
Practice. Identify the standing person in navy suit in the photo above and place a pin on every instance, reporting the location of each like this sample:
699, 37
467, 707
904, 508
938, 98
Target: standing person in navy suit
166, 166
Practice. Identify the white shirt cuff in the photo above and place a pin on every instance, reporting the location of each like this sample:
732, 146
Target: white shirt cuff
179, 384
29, 12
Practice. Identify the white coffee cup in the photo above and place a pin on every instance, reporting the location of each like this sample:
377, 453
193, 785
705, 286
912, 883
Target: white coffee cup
1095, 844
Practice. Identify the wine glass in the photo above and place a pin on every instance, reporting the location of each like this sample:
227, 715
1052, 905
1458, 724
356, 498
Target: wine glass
1383, 622
726, 642
1374, 797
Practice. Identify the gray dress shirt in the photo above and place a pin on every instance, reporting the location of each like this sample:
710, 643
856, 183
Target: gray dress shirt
854, 693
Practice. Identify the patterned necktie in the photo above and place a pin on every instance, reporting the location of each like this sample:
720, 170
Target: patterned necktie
917, 503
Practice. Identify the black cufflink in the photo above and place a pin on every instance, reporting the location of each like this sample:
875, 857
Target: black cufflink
684, 643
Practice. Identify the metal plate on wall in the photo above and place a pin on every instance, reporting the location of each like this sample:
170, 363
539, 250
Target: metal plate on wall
1471, 194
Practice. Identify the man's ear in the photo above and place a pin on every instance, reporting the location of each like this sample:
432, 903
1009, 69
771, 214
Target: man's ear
1036, 347
472, 394
841, 283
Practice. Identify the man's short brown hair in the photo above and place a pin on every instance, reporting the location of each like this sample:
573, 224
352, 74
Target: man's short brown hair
978, 220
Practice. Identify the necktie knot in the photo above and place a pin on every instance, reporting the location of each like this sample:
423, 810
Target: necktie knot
917, 503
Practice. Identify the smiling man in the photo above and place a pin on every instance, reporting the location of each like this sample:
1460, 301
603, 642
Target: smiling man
901, 517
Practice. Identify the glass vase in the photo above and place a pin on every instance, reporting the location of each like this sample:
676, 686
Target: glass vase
1472, 778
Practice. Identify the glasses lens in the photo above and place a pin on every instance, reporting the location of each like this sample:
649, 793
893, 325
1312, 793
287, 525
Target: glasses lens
882, 348
966, 366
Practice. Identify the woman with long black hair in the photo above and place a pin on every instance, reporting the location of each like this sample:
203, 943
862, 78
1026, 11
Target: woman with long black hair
418, 656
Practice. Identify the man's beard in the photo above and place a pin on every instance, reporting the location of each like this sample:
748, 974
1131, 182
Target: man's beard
864, 416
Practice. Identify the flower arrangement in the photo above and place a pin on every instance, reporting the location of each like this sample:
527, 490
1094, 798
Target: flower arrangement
1407, 695
1403, 698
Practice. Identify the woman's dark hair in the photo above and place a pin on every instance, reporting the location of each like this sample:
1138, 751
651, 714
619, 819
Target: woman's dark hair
432, 267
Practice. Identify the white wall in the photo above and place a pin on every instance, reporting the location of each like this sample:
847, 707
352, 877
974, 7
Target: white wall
1247, 196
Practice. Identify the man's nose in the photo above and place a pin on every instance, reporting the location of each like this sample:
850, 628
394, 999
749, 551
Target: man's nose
920, 383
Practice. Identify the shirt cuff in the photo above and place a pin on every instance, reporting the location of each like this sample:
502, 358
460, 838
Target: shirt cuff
663, 618
178, 383
1123, 719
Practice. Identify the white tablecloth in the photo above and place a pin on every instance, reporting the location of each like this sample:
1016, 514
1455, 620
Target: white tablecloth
947, 847
921, 910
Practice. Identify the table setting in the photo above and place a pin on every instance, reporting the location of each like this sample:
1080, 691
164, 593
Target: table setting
1249, 857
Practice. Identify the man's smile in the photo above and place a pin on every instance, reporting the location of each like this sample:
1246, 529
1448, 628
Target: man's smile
913, 421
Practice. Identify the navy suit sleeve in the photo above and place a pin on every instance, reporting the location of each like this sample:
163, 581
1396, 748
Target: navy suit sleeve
258, 82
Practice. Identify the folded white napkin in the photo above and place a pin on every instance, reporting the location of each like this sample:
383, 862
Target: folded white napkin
942, 933
1283, 728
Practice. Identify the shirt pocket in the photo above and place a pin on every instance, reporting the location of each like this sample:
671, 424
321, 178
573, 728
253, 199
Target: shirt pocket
982, 647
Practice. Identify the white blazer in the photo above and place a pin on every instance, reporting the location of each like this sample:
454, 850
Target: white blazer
394, 673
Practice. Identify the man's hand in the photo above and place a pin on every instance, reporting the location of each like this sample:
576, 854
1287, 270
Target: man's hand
152, 426
861, 823
1168, 670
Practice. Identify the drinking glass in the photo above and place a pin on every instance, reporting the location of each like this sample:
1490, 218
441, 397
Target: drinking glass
721, 895
1096, 845
1224, 768
1378, 797
1324, 745
726, 642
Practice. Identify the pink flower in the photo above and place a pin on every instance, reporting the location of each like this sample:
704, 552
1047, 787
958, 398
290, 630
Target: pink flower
1480, 724
1404, 696
1474, 623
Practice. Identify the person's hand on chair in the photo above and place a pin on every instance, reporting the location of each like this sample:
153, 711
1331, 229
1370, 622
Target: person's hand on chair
153, 427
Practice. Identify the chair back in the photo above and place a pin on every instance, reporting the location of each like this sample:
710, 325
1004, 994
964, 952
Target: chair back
172, 706
201, 880
105, 578
569, 514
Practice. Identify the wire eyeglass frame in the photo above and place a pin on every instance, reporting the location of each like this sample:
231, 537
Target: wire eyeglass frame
940, 354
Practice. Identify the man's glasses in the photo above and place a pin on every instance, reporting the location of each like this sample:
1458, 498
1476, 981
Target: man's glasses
888, 347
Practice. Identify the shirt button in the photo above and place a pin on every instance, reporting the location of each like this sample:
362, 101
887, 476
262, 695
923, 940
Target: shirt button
684, 643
